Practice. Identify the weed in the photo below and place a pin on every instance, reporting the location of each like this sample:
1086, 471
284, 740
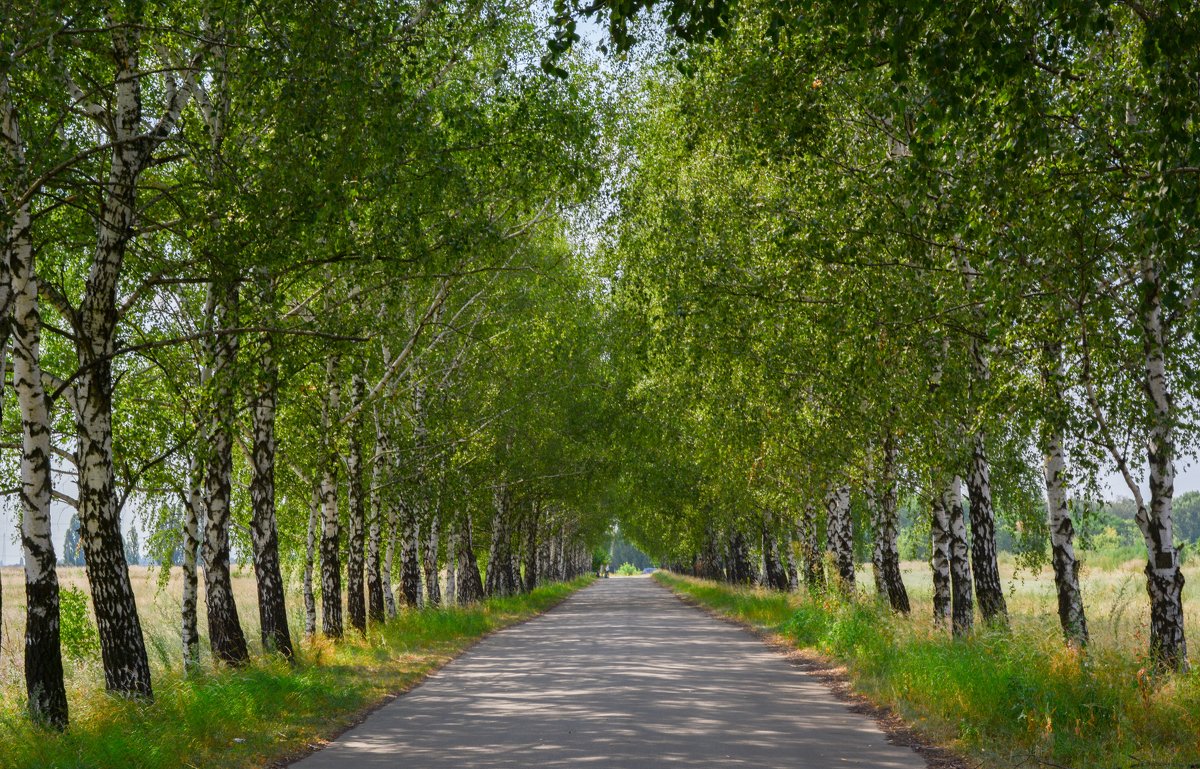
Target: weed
263, 711
1003, 697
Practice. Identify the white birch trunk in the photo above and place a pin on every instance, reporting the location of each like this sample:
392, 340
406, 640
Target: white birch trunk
375, 584
123, 648
226, 639
939, 559
1164, 578
193, 514
356, 607
331, 568
840, 533
310, 599
962, 605
44, 686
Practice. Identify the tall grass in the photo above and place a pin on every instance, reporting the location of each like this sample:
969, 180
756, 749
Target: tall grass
265, 710
1001, 698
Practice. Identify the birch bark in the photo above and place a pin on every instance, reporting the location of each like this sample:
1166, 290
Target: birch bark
452, 565
1164, 578
500, 579
123, 648
44, 686
375, 600
774, 574
272, 610
331, 566
225, 635
429, 558
939, 558
840, 533
962, 606
393, 530
410, 560
193, 514
814, 565
887, 530
310, 542
529, 579
985, 567
470, 584
356, 606
1071, 615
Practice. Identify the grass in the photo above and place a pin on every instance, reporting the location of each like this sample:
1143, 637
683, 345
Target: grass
1003, 699
262, 712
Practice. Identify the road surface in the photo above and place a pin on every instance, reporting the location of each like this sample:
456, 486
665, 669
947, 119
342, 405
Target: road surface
622, 675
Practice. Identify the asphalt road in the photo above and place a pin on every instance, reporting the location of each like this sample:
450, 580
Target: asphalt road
622, 675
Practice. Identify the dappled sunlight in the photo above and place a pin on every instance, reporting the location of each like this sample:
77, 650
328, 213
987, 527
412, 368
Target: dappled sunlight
621, 675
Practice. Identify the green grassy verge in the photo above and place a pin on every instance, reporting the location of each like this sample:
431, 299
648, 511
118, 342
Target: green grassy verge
999, 698
267, 710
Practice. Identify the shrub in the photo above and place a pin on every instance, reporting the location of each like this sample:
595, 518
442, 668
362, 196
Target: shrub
628, 570
80, 640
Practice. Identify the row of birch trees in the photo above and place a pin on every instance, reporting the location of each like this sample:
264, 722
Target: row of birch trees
937, 254
290, 283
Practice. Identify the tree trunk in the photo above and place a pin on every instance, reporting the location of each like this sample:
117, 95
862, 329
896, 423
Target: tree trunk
840, 533
331, 566
452, 564
1062, 548
529, 579
413, 549
560, 542
122, 646
272, 610
47, 695
737, 560
543, 547
939, 558
774, 574
310, 599
875, 512
1062, 531
500, 579
393, 530
789, 554
810, 548
375, 601
1164, 578
225, 636
962, 608
429, 559
887, 530
708, 565
410, 561
193, 505
988, 587
470, 584
356, 606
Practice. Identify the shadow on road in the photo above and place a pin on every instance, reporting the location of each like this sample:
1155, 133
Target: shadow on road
620, 675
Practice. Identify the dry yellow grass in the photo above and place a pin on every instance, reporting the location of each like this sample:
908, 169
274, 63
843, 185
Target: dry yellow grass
1118, 610
158, 607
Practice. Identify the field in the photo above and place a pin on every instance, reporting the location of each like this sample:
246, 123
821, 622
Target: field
158, 607
1016, 698
1114, 596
